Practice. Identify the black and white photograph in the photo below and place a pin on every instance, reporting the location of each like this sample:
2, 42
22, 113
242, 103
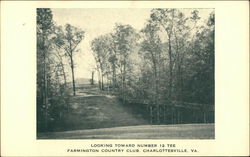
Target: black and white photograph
124, 78
125, 73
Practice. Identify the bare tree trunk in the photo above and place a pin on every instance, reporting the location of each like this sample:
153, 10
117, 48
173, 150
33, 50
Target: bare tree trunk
172, 115
155, 77
73, 75
114, 76
170, 67
107, 82
156, 93
123, 81
151, 114
102, 84
99, 78
178, 62
101, 73
45, 93
181, 81
164, 114
92, 77
114, 81
178, 116
72, 68
45, 100
158, 113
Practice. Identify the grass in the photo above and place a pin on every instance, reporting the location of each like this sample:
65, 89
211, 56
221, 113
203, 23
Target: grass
98, 115
179, 131
91, 109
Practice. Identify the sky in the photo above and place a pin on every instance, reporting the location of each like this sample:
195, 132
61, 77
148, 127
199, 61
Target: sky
96, 22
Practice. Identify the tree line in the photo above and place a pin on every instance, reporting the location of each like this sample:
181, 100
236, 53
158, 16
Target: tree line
170, 59
56, 46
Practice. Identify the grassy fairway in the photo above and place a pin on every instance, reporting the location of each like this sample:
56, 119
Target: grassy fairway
180, 131
98, 115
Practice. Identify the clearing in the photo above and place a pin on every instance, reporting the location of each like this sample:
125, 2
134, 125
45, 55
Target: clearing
98, 115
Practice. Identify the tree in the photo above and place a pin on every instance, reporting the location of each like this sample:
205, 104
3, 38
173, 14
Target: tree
44, 25
170, 62
164, 17
92, 77
112, 59
125, 38
199, 83
58, 40
174, 24
52, 92
151, 49
72, 38
100, 49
